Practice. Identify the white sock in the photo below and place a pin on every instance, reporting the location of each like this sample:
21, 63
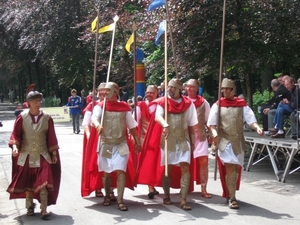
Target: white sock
280, 131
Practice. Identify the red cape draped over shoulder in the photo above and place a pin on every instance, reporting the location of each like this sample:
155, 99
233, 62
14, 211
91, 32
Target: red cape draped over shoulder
235, 102
149, 170
91, 178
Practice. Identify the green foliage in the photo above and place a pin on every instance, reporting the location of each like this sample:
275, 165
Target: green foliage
52, 102
209, 99
260, 99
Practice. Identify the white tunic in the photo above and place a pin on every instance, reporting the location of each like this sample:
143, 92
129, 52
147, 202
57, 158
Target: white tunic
228, 156
201, 147
178, 156
116, 162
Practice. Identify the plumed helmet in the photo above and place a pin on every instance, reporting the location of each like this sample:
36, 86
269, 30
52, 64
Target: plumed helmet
101, 85
228, 83
30, 88
193, 82
113, 87
33, 95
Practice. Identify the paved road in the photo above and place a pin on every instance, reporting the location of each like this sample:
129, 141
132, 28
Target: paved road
263, 200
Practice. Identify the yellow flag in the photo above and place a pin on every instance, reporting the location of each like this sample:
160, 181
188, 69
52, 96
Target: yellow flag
129, 42
94, 24
109, 27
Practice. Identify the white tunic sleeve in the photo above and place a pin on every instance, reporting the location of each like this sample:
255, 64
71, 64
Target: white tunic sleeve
213, 116
96, 116
130, 122
192, 115
249, 116
87, 119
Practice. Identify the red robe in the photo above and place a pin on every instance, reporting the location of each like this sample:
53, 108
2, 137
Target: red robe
91, 178
47, 175
235, 102
149, 170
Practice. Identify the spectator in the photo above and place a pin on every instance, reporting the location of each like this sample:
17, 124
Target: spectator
125, 95
11, 96
75, 103
18, 110
286, 107
162, 91
1, 97
268, 109
295, 119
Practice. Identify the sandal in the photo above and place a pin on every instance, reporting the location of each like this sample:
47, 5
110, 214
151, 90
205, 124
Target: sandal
98, 193
167, 201
184, 206
30, 210
233, 204
205, 194
112, 196
106, 201
122, 206
153, 193
44, 215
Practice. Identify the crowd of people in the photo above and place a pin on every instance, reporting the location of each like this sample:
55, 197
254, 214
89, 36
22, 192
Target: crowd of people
285, 102
161, 142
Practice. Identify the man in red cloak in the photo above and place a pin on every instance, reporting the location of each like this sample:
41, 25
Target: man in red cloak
178, 130
111, 119
229, 137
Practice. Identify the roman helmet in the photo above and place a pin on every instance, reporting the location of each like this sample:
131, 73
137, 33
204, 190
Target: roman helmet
113, 87
34, 95
193, 82
177, 84
152, 88
101, 86
228, 83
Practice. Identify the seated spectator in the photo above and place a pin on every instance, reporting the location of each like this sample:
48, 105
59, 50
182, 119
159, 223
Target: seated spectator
285, 107
295, 131
268, 109
18, 110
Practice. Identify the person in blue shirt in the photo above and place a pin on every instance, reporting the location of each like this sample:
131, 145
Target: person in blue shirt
75, 104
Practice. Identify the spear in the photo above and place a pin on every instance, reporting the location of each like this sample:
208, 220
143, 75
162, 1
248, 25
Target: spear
166, 97
116, 18
171, 38
220, 83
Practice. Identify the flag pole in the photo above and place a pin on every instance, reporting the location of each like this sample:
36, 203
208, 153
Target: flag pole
95, 59
116, 18
171, 38
220, 83
166, 97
